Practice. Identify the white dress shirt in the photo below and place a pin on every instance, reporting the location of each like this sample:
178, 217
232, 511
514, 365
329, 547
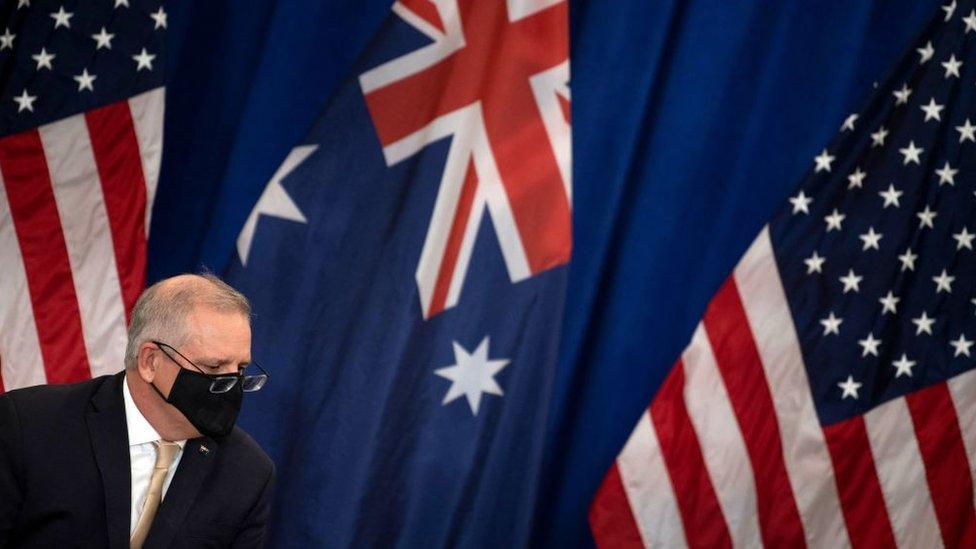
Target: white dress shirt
142, 455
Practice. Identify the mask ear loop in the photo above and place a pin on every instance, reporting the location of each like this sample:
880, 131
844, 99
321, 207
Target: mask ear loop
153, 382
158, 392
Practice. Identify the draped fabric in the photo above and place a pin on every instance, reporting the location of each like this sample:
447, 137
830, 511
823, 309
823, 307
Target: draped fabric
692, 122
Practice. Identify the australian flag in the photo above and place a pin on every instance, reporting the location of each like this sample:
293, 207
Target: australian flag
407, 264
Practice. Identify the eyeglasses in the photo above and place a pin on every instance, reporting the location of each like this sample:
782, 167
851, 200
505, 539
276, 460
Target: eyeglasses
222, 383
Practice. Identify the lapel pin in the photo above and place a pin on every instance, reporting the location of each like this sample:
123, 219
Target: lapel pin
204, 450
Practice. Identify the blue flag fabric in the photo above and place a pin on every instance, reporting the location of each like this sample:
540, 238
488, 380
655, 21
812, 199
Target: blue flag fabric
692, 122
410, 404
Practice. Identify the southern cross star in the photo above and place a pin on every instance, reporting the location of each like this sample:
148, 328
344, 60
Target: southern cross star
472, 375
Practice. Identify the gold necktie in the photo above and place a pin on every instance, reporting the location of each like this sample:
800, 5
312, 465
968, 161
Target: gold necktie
165, 452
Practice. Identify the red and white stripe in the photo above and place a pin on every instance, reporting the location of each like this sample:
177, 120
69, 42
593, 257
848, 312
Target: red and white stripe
75, 197
731, 451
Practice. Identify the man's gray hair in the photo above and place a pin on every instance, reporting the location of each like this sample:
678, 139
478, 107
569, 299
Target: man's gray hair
160, 312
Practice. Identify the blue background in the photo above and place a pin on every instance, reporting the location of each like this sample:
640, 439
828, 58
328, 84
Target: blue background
692, 121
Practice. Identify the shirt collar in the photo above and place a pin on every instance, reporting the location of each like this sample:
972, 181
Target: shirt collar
140, 430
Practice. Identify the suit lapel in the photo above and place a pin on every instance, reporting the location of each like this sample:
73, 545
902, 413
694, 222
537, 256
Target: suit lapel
110, 443
198, 458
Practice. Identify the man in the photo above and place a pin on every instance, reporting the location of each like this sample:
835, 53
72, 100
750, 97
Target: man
148, 457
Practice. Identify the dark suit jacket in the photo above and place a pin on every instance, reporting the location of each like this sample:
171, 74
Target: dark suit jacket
65, 476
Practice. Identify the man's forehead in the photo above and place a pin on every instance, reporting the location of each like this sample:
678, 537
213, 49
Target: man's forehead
224, 335
202, 312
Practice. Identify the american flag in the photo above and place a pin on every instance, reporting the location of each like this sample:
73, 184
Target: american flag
81, 113
828, 397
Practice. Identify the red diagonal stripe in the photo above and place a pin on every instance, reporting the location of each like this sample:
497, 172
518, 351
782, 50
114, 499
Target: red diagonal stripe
39, 233
742, 372
611, 518
426, 10
857, 484
946, 465
116, 149
700, 512
462, 215
565, 108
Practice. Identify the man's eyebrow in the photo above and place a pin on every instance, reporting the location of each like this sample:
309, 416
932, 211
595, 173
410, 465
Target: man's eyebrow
214, 361
218, 362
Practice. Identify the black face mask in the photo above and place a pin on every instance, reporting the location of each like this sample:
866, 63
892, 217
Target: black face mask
213, 414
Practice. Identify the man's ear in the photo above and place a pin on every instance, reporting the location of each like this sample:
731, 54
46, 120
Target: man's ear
146, 361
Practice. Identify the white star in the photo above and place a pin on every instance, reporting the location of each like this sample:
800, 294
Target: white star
943, 282
159, 17
834, 220
23, 4
849, 387
964, 239
25, 102
889, 303
951, 66
85, 80
926, 218
932, 110
970, 21
878, 137
7, 40
961, 345
903, 366
967, 131
891, 196
869, 345
121, 3
823, 161
849, 123
103, 40
901, 96
949, 9
831, 324
908, 260
926, 53
911, 153
946, 174
800, 203
851, 281
472, 375
814, 263
274, 201
43, 59
62, 18
870, 239
143, 60
856, 179
923, 323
